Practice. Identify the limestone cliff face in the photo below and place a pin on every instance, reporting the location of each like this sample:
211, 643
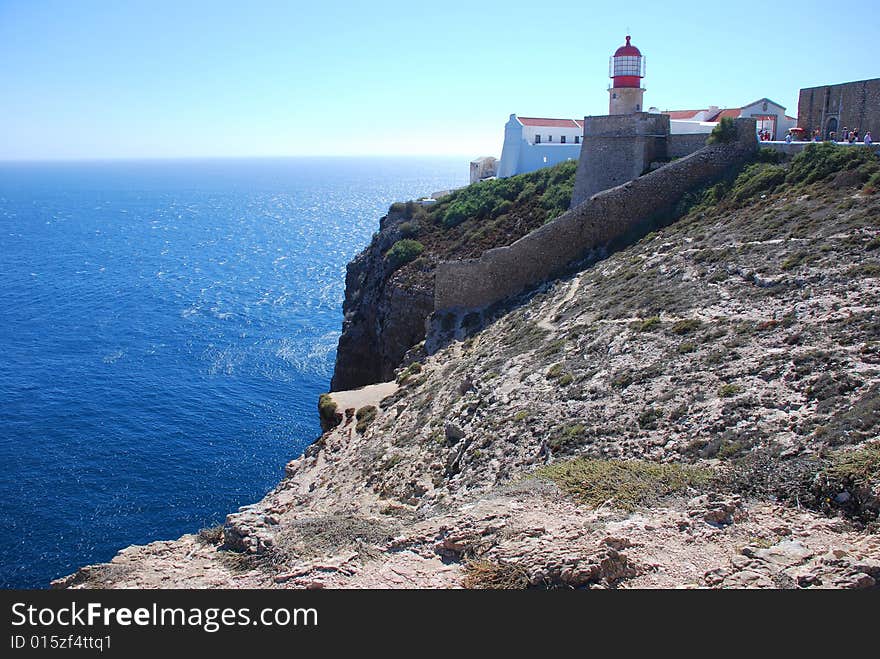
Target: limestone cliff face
384, 313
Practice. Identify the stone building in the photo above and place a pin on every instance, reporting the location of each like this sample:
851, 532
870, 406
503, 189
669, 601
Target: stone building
483, 168
830, 108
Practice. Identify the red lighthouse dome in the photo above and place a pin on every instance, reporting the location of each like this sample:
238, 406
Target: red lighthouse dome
627, 66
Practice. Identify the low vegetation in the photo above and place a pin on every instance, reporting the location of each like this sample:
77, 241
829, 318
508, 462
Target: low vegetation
468, 221
492, 575
403, 251
624, 484
365, 416
407, 374
845, 482
212, 535
488, 200
327, 411
819, 162
859, 467
724, 132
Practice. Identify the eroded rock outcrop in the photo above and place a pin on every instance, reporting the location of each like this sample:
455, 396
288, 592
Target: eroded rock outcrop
384, 312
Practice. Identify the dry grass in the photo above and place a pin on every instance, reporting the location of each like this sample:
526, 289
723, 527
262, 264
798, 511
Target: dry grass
624, 484
490, 575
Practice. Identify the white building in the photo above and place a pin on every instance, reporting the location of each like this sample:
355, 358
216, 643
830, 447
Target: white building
531, 143
770, 116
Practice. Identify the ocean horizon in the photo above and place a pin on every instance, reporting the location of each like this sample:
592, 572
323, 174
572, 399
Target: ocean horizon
168, 325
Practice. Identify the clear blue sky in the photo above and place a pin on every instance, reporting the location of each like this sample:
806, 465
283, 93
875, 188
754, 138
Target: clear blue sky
86, 79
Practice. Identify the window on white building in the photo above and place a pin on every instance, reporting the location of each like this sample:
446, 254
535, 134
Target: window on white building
549, 138
562, 139
577, 139
537, 139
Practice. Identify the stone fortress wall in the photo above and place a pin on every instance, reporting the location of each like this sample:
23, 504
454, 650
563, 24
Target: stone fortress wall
618, 148
854, 105
602, 218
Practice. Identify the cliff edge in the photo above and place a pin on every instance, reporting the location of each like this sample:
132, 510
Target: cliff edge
700, 409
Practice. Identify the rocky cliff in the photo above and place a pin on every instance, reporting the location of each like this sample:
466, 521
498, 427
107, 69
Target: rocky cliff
384, 311
387, 300
701, 409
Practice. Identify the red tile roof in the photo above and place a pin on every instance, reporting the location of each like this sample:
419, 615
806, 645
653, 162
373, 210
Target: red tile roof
550, 123
733, 113
682, 114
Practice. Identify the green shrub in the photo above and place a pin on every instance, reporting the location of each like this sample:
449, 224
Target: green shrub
646, 325
327, 408
403, 251
772, 156
757, 178
796, 260
413, 369
729, 390
861, 466
685, 326
865, 270
488, 200
567, 436
818, 161
365, 416
408, 229
557, 199
724, 132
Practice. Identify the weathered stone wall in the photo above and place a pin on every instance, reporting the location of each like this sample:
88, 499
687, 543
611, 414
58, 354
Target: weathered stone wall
505, 271
855, 105
679, 146
617, 149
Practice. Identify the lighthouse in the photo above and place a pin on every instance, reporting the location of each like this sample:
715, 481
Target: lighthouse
626, 68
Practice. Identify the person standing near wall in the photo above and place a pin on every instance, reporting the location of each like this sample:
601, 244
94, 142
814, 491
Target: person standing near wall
868, 139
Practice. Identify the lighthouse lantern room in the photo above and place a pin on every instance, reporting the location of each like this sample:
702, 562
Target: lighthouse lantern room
626, 68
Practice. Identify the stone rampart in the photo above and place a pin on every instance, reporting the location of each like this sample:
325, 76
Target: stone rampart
618, 148
607, 216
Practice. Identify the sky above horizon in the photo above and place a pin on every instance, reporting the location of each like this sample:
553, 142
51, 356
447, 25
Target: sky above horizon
164, 79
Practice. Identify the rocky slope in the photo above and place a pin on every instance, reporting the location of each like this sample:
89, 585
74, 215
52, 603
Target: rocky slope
701, 409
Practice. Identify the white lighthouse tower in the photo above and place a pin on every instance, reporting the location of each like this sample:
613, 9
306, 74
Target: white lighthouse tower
626, 68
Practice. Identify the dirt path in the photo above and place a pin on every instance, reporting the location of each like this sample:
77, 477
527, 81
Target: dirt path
369, 395
548, 322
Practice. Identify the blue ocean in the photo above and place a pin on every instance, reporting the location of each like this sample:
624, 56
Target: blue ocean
166, 329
